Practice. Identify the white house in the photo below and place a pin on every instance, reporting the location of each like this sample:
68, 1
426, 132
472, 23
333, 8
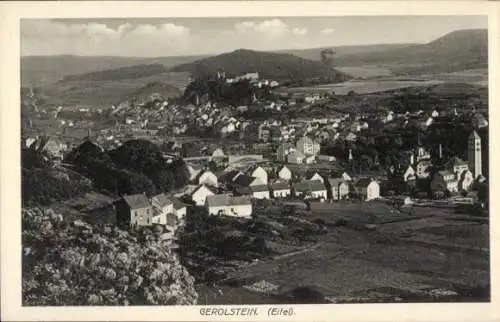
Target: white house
260, 173
285, 173
227, 205
368, 188
200, 194
208, 178
435, 113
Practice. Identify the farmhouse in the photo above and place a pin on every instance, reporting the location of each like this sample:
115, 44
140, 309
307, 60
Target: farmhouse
134, 211
226, 205
200, 194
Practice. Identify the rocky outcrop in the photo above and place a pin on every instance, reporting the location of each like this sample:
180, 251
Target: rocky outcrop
70, 262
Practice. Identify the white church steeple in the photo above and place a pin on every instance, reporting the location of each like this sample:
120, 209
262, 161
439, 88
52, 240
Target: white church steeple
474, 154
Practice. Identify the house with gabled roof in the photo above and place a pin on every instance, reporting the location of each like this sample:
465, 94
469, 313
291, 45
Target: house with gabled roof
200, 194
259, 172
227, 205
134, 211
367, 188
339, 188
285, 173
208, 178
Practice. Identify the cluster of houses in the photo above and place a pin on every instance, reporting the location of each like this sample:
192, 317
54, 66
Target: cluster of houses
450, 177
138, 211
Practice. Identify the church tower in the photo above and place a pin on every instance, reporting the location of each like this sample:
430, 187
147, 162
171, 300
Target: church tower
474, 154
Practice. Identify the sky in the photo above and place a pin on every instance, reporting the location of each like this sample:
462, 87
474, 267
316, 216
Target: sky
155, 37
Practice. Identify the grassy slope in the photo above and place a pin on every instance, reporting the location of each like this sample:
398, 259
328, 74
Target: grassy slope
459, 50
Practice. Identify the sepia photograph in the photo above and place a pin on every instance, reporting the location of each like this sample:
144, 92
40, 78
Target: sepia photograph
254, 160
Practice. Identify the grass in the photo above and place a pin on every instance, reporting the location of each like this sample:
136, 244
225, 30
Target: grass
385, 263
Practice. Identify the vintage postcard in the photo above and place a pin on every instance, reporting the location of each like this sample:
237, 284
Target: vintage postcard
248, 161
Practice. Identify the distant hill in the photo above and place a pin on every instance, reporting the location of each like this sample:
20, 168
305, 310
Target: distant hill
342, 51
458, 50
267, 64
135, 71
39, 70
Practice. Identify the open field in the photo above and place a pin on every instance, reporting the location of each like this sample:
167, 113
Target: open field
397, 260
367, 71
366, 86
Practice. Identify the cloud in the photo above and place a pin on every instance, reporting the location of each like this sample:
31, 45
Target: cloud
269, 28
300, 31
327, 31
52, 37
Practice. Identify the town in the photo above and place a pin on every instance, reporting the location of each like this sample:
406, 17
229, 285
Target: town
275, 179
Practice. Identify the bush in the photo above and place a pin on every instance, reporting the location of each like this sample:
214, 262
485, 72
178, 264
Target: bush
44, 186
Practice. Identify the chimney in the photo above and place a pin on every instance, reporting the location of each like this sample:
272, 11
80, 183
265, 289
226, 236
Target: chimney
440, 151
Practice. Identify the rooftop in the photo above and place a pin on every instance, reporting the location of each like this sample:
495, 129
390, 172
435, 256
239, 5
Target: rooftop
136, 201
227, 200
